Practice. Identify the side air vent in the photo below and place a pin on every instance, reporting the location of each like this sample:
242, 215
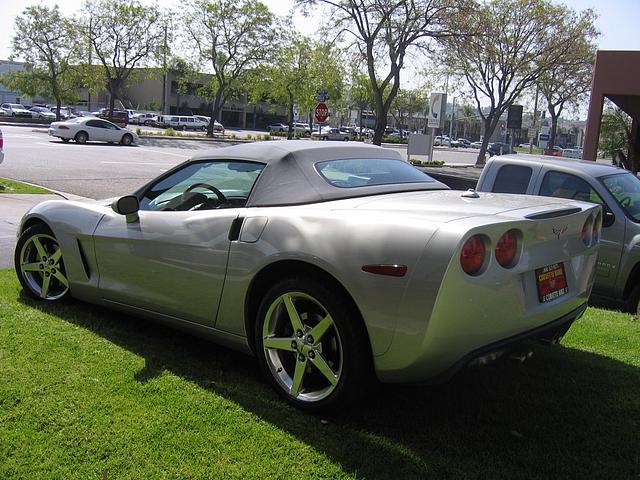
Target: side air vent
553, 214
83, 259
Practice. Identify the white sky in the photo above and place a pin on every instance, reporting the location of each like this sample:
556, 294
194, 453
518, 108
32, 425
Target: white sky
618, 19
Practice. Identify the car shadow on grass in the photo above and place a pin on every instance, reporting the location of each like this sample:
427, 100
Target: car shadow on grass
565, 413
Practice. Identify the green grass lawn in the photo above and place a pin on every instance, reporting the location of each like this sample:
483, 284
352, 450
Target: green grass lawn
12, 186
86, 393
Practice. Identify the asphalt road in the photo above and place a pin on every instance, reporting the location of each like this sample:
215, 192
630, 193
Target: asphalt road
101, 170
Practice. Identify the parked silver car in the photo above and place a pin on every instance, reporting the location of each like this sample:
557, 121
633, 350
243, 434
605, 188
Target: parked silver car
83, 129
331, 263
615, 189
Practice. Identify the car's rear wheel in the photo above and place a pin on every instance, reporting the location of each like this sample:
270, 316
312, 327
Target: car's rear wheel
81, 137
126, 140
39, 264
311, 345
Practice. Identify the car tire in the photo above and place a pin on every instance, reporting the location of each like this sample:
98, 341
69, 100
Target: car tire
81, 137
633, 302
126, 140
39, 264
313, 374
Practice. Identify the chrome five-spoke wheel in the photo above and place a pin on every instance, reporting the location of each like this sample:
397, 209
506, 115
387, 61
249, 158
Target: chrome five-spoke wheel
39, 264
310, 345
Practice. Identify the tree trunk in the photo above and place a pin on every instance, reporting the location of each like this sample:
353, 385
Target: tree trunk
489, 127
59, 105
381, 119
290, 130
216, 106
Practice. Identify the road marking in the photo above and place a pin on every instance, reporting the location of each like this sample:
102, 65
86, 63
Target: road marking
138, 163
164, 153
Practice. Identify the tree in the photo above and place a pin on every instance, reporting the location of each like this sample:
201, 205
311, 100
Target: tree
521, 40
231, 38
360, 94
616, 137
47, 42
299, 69
124, 35
566, 82
385, 32
406, 105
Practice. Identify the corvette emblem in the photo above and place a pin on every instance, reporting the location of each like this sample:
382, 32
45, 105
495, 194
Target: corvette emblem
558, 231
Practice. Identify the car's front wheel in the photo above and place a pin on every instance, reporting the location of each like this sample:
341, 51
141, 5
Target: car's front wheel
39, 264
311, 345
126, 140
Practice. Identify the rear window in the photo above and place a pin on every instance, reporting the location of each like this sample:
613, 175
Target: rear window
512, 179
361, 172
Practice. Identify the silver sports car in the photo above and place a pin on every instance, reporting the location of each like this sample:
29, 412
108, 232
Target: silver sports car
334, 264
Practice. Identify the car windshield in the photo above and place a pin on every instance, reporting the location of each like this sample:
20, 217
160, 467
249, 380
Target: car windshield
360, 172
625, 188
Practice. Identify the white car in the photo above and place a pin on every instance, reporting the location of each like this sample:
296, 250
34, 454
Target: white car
83, 129
42, 112
1, 145
572, 153
217, 126
16, 110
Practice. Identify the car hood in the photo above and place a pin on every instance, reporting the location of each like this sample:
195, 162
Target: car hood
451, 205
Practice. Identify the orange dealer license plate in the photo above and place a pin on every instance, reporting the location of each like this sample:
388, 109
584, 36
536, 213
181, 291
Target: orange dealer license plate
552, 282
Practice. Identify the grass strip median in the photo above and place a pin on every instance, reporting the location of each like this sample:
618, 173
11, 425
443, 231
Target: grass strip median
13, 186
87, 392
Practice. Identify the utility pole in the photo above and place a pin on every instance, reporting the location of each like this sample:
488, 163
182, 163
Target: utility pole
453, 110
164, 71
89, 64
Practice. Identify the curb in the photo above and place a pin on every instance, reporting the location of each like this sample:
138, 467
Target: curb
65, 195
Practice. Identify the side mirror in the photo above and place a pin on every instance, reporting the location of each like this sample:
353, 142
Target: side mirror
128, 206
608, 218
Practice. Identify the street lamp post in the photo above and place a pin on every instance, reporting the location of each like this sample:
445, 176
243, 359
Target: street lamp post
453, 109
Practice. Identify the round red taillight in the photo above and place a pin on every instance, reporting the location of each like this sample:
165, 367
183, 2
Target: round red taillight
507, 248
587, 231
472, 255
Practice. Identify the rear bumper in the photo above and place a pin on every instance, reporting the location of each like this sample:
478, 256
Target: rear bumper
547, 332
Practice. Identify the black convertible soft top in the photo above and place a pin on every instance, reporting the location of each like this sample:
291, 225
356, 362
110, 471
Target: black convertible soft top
290, 177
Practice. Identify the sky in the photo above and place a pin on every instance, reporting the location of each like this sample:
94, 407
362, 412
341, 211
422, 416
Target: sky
618, 19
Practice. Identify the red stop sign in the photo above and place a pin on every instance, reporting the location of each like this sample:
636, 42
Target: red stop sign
321, 112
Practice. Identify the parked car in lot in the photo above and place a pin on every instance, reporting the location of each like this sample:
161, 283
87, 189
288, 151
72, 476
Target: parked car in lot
84, 129
16, 110
398, 291
278, 127
554, 152
182, 122
498, 148
217, 126
617, 191
572, 153
42, 112
1, 147
464, 143
476, 144
119, 117
328, 133
145, 118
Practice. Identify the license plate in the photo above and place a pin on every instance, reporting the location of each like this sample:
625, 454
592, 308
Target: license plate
552, 282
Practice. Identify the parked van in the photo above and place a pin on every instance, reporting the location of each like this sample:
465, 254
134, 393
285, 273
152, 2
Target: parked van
182, 122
